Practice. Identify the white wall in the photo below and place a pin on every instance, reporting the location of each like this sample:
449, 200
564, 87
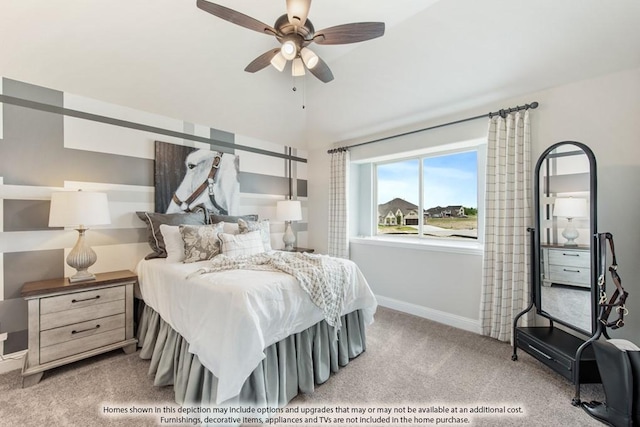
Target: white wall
602, 113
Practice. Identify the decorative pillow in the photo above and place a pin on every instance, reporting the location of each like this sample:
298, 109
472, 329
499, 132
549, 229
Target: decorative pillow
261, 226
234, 245
154, 220
230, 227
173, 243
215, 218
200, 242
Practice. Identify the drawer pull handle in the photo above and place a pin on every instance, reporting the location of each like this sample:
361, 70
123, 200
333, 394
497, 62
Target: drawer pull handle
86, 299
540, 352
570, 254
85, 330
570, 270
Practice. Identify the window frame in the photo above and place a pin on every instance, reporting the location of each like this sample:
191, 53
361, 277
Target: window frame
419, 240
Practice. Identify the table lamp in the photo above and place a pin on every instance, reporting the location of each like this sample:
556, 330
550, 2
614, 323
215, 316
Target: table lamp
79, 209
289, 210
570, 208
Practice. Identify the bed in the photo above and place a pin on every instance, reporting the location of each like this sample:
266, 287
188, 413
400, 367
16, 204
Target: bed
246, 335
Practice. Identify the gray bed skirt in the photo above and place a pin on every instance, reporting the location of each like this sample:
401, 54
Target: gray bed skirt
292, 365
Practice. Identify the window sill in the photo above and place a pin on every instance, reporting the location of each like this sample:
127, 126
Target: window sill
422, 244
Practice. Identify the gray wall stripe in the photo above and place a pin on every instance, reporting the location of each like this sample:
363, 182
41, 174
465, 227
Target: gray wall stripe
20, 267
16, 341
26, 215
11, 100
13, 315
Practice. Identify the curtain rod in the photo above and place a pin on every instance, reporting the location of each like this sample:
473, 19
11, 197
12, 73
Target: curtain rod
502, 113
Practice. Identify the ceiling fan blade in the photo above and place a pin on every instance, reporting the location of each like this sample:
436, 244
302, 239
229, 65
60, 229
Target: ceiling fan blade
235, 17
261, 61
297, 11
350, 33
322, 71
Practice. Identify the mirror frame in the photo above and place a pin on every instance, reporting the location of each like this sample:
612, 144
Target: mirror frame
536, 270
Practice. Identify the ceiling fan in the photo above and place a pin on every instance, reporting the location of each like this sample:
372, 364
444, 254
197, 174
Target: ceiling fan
295, 32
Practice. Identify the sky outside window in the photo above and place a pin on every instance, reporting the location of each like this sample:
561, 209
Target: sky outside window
448, 180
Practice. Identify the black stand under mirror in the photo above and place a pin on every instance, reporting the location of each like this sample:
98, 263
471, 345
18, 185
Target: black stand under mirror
564, 264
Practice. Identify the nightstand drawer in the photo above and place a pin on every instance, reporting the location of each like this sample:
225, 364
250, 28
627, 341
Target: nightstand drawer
70, 348
80, 299
81, 330
69, 317
570, 257
563, 273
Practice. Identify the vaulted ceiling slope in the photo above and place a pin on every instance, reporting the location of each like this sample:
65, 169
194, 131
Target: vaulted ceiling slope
436, 57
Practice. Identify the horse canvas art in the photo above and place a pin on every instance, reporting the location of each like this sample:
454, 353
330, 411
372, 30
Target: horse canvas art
187, 177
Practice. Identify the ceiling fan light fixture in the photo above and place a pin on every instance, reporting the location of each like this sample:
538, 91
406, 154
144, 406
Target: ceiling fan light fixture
278, 61
297, 68
289, 50
310, 59
297, 11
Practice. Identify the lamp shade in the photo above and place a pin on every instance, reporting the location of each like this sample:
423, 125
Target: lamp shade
310, 59
289, 210
278, 61
73, 208
297, 67
570, 207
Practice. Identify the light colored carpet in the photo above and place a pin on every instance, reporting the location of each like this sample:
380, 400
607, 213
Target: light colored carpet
410, 361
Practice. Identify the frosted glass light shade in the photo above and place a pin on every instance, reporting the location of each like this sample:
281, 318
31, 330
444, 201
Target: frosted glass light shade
310, 59
297, 68
279, 61
289, 210
289, 50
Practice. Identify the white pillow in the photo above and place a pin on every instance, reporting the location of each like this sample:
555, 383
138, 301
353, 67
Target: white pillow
234, 245
230, 227
261, 226
174, 245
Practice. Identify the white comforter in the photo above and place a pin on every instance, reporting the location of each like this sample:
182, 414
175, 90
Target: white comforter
230, 317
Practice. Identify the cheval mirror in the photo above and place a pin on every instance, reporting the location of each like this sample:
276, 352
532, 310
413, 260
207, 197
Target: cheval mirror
565, 241
564, 262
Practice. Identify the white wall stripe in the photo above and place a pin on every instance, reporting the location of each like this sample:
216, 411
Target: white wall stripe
93, 106
114, 257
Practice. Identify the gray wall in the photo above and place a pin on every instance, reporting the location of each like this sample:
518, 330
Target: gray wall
602, 113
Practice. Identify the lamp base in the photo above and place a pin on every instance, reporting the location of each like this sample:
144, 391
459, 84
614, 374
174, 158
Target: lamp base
571, 234
81, 258
289, 238
82, 276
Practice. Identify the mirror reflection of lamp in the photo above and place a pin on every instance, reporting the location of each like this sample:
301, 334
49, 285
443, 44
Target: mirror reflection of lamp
570, 208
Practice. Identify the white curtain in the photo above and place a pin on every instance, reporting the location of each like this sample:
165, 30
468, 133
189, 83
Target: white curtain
506, 277
338, 204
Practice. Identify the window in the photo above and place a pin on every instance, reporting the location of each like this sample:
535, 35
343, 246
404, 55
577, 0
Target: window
434, 195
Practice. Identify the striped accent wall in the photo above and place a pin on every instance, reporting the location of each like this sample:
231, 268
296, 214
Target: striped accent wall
43, 151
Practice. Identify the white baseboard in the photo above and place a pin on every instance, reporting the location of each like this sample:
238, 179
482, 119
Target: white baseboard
11, 362
454, 320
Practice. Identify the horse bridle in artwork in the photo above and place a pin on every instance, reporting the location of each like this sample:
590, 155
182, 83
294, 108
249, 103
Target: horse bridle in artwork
208, 183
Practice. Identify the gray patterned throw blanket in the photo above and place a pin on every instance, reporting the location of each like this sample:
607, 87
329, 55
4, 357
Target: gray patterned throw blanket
320, 276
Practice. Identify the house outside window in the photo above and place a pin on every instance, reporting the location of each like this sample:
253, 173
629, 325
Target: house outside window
434, 195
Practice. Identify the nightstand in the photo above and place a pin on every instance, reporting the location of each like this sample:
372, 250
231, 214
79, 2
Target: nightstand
566, 266
296, 249
72, 321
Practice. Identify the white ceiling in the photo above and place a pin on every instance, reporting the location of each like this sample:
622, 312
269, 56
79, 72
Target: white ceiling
436, 57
